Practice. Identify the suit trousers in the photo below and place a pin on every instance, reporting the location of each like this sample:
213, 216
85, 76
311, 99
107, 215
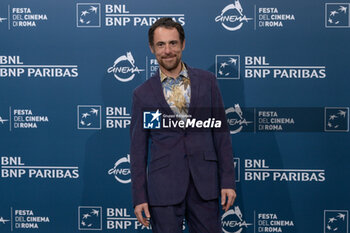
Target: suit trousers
201, 216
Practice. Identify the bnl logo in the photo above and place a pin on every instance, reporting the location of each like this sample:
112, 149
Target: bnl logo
336, 221
336, 119
89, 116
151, 120
90, 218
337, 15
227, 66
88, 15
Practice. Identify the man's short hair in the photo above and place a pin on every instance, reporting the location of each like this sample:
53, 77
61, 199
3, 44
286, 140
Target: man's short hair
167, 23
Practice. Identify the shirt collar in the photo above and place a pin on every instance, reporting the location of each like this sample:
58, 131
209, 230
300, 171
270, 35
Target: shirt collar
182, 73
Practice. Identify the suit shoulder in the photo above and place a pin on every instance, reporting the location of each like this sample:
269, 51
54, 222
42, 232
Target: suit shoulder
144, 88
203, 74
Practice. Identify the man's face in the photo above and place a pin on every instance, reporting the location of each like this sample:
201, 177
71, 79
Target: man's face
167, 48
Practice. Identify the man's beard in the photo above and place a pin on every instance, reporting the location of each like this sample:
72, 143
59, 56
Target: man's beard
170, 66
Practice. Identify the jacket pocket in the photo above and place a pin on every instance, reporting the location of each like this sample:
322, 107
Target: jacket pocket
210, 156
159, 163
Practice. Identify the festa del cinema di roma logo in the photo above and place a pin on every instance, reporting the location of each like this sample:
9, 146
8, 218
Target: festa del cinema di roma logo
232, 17
124, 68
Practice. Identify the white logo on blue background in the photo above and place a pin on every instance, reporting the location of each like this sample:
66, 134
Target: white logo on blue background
90, 218
88, 15
232, 17
2, 19
151, 120
89, 117
336, 119
233, 221
121, 170
227, 66
3, 121
336, 221
4, 221
236, 121
5, 224
337, 15
124, 68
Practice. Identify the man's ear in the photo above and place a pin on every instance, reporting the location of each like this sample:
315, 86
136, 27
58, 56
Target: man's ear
151, 48
183, 45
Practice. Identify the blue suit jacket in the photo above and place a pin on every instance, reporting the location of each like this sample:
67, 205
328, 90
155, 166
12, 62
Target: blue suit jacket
177, 153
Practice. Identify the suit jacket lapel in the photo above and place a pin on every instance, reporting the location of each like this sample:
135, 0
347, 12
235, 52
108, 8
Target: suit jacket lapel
195, 86
158, 92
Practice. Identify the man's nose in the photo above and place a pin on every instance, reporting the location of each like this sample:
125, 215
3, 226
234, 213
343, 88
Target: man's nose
167, 48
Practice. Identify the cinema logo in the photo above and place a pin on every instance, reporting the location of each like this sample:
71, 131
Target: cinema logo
24, 118
4, 120
5, 221
14, 167
14, 67
121, 170
237, 119
232, 17
258, 170
124, 68
233, 221
260, 119
23, 17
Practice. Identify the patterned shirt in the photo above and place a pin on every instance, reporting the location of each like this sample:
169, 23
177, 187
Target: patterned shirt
177, 92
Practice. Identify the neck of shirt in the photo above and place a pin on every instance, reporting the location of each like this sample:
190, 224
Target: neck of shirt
182, 72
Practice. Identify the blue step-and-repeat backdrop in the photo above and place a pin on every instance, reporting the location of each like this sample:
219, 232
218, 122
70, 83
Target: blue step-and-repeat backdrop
67, 72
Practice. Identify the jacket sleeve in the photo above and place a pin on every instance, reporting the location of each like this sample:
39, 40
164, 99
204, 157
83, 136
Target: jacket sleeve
222, 140
138, 153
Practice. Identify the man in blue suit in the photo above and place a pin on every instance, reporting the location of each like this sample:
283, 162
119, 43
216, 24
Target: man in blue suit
187, 169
